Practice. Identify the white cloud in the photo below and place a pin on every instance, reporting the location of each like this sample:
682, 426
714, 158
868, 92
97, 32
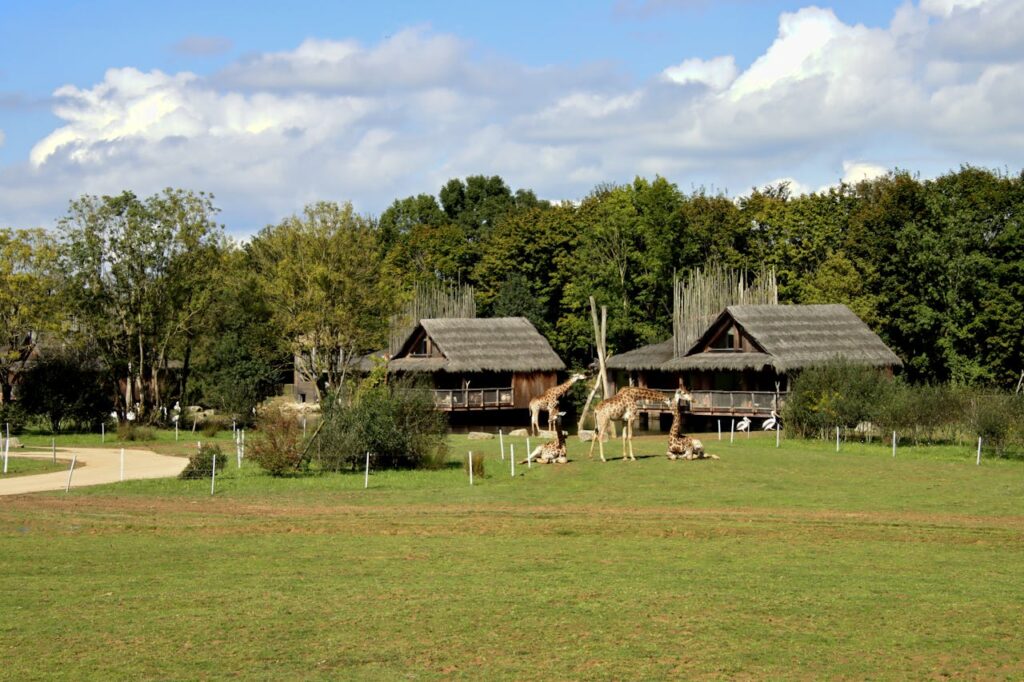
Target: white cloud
343, 120
717, 73
858, 171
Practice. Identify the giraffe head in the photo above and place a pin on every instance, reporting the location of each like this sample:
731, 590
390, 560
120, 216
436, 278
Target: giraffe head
682, 396
578, 376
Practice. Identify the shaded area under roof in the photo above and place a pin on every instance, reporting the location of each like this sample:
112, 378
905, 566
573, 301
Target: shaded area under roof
503, 344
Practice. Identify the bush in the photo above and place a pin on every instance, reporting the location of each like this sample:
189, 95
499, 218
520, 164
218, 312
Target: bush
200, 462
929, 412
996, 417
838, 393
14, 415
66, 386
278, 444
129, 431
396, 421
478, 465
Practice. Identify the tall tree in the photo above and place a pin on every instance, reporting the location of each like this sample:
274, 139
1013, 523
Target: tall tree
321, 273
136, 271
28, 307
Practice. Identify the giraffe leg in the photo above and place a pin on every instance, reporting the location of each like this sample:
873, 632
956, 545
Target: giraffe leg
632, 457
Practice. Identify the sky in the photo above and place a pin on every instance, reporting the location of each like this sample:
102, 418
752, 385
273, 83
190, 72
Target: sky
271, 105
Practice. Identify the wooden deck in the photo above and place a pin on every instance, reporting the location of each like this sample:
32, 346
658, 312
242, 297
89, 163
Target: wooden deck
726, 403
451, 400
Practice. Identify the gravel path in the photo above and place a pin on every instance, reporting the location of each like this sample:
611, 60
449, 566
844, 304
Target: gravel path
93, 467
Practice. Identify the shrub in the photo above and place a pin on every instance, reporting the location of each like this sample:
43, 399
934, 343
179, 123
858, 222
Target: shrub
278, 444
838, 393
211, 427
996, 418
66, 386
395, 421
478, 465
12, 414
200, 462
129, 431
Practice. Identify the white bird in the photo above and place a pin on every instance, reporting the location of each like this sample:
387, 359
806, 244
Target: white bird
771, 422
743, 424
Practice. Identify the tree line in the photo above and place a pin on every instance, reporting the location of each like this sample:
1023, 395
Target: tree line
151, 295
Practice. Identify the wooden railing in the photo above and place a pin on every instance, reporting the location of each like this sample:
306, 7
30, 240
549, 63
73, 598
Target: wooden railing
472, 398
752, 403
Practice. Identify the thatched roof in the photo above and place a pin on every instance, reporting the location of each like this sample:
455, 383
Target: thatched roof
503, 344
791, 337
650, 357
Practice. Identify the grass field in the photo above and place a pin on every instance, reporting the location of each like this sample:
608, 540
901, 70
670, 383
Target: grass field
20, 466
789, 563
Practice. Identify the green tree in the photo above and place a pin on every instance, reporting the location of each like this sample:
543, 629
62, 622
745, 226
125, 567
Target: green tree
67, 385
137, 274
28, 306
321, 273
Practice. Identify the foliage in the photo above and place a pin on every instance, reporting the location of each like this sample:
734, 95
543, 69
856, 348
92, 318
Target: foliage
996, 418
278, 447
322, 278
130, 431
66, 385
202, 460
241, 359
394, 421
28, 281
137, 273
838, 393
12, 415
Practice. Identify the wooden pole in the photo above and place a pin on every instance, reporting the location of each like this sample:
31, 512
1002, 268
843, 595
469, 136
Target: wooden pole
71, 470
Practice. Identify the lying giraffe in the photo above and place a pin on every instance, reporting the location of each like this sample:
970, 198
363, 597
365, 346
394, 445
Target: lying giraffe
553, 450
548, 400
679, 445
624, 406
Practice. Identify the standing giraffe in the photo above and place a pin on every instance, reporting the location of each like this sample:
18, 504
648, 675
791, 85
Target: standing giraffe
548, 400
679, 445
624, 406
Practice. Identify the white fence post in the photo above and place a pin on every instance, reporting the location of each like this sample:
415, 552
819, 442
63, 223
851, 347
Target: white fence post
837, 439
213, 471
512, 457
778, 428
501, 442
979, 451
7, 446
732, 429
74, 458
175, 431
53, 449
471, 467
894, 444
103, 432
366, 476
719, 429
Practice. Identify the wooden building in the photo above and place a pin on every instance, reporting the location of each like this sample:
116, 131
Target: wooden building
743, 362
480, 363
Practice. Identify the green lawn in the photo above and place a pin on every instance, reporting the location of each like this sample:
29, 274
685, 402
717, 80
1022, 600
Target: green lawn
795, 562
22, 466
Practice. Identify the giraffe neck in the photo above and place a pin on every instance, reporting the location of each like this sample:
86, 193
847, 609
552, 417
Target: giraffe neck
677, 423
561, 389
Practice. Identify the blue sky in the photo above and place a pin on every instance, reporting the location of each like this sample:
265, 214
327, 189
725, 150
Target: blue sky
270, 105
